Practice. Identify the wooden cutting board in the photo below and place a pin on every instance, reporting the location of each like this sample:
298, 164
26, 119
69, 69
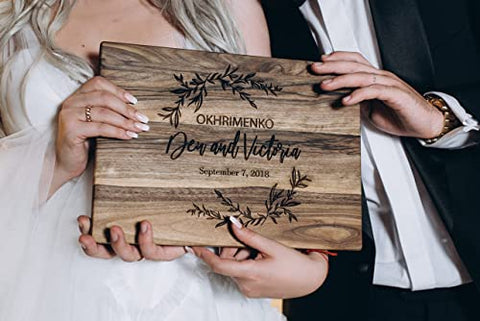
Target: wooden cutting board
251, 137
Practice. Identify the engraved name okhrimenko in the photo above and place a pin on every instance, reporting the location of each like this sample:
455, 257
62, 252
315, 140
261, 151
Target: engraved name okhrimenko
179, 143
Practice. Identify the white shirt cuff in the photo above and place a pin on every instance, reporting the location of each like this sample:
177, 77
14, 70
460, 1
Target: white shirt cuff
460, 137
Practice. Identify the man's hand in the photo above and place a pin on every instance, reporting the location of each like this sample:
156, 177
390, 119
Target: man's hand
146, 247
396, 108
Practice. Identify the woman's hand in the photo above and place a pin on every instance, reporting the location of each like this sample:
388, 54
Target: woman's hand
111, 115
397, 108
146, 247
276, 272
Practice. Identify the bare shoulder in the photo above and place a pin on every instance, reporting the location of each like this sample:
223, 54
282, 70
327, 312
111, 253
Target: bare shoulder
253, 26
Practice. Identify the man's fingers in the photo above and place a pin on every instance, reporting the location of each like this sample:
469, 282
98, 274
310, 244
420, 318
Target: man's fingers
94, 249
145, 241
346, 56
151, 251
343, 67
126, 251
228, 267
84, 224
88, 243
360, 79
390, 95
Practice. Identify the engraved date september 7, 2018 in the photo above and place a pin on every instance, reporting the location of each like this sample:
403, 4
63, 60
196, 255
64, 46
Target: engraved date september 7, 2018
234, 172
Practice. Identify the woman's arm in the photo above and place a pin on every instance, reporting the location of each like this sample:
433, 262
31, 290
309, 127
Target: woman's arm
253, 26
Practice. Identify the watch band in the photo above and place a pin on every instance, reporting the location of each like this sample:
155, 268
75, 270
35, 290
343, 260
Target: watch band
450, 121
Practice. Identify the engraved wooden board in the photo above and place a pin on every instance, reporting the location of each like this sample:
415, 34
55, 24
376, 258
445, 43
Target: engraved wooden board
252, 137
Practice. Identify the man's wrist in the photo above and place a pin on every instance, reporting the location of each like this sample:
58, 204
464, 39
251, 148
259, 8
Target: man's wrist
450, 121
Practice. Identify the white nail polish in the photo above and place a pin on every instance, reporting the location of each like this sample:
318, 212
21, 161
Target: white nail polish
235, 222
141, 117
188, 249
131, 99
143, 127
132, 134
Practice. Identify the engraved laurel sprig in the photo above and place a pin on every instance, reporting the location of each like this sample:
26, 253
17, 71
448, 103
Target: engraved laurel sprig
202, 211
195, 91
279, 203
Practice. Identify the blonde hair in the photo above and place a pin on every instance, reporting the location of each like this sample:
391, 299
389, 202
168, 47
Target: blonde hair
206, 24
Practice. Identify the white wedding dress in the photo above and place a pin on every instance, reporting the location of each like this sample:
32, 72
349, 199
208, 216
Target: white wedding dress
44, 274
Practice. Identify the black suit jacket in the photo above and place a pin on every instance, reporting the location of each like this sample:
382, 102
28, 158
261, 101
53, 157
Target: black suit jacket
432, 45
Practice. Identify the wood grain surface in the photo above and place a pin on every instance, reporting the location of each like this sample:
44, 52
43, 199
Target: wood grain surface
235, 135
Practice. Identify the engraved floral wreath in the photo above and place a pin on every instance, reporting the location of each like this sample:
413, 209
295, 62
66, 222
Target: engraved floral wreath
194, 92
278, 204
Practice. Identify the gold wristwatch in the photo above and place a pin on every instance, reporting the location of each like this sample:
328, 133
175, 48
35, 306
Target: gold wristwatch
450, 121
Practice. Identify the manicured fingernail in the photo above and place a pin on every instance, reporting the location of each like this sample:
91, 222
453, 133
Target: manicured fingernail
317, 64
114, 236
131, 99
188, 249
144, 227
326, 55
142, 126
84, 247
132, 134
235, 222
327, 81
141, 117
346, 99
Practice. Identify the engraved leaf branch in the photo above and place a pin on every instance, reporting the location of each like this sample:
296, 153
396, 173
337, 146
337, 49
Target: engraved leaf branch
279, 203
195, 91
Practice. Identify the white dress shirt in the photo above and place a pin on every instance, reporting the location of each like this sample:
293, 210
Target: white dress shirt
413, 247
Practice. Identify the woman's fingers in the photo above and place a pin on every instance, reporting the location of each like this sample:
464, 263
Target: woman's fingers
102, 98
151, 251
243, 254
107, 116
228, 267
100, 83
228, 252
103, 130
124, 250
235, 253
